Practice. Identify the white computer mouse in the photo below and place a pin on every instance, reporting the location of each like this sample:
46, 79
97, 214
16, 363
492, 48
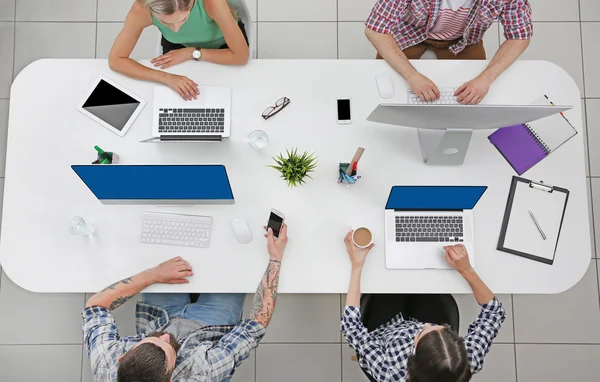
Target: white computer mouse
241, 231
385, 86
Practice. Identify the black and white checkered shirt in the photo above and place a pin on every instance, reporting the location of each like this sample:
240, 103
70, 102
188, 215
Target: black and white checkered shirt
384, 352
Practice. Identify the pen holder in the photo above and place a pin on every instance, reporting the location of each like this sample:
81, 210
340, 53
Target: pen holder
107, 158
344, 178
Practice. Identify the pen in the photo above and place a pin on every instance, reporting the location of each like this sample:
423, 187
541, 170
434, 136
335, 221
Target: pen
537, 225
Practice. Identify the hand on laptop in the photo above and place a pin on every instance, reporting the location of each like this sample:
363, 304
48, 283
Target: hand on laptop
357, 255
423, 87
472, 92
458, 258
186, 88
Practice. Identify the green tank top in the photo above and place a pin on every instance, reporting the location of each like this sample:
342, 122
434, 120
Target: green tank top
199, 30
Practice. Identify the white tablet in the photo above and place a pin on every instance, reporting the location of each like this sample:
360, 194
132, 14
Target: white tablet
111, 105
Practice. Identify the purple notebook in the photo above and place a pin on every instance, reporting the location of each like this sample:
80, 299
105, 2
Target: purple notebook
520, 147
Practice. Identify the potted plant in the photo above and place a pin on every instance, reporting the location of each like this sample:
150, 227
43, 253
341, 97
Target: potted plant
295, 168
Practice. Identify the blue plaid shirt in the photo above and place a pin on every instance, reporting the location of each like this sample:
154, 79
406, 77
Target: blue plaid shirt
384, 352
210, 354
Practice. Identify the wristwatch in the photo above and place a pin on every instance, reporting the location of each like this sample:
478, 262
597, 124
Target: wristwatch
197, 54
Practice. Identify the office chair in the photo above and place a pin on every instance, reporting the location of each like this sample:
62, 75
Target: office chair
378, 309
243, 12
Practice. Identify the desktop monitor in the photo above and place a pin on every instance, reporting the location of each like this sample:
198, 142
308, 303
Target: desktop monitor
445, 130
157, 184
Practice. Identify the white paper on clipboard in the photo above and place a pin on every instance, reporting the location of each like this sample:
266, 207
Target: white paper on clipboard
522, 235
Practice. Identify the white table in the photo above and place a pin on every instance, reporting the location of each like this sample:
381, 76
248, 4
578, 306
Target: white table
46, 135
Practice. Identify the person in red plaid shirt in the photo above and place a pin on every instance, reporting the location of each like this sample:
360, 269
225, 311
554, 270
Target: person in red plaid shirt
402, 30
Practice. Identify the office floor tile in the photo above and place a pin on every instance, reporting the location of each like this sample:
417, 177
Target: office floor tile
559, 43
554, 10
305, 318
7, 41
592, 108
469, 310
584, 131
7, 10
246, 371
108, 32
351, 371
4, 104
591, 58
596, 206
298, 363
56, 10
569, 317
29, 363
293, 10
252, 7
302, 40
53, 40
113, 10
499, 365
37, 318
591, 214
558, 363
354, 10
352, 41
590, 10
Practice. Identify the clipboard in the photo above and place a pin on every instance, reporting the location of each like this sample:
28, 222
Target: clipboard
521, 233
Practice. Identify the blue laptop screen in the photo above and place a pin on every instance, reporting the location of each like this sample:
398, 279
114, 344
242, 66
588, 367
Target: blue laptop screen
156, 182
440, 198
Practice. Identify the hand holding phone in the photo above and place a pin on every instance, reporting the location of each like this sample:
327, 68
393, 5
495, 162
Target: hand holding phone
275, 222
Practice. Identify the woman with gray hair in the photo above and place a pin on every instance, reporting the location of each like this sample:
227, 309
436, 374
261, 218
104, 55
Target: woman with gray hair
202, 30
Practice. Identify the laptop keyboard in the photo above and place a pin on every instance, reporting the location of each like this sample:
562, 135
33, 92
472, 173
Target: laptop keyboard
429, 229
191, 121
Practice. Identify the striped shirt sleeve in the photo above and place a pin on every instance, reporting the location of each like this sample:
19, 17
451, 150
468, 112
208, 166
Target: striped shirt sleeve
482, 332
384, 16
516, 20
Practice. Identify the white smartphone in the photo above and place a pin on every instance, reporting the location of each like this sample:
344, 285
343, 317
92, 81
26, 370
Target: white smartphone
275, 222
343, 110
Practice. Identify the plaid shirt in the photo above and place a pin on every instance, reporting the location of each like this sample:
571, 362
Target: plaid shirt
409, 21
210, 354
384, 352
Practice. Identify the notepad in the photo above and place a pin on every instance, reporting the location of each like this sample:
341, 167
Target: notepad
524, 146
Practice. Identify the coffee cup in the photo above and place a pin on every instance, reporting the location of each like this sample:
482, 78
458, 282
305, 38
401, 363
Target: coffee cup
362, 237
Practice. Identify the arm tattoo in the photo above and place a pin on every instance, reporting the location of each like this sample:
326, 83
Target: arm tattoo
112, 286
119, 301
266, 295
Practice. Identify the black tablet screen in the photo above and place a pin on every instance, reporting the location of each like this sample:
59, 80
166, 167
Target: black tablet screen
111, 105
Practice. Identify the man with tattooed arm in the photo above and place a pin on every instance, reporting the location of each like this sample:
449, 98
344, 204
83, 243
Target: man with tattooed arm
178, 340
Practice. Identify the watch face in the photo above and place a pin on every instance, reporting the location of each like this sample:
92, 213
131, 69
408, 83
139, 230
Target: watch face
196, 54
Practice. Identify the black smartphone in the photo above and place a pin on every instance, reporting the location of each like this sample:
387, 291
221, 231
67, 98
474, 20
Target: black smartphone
275, 222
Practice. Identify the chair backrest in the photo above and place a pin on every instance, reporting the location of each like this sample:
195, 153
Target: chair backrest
241, 8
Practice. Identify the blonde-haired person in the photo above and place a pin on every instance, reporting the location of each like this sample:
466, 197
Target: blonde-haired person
204, 30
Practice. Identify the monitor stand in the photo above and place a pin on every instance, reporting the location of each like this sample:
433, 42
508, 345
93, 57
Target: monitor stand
445, 147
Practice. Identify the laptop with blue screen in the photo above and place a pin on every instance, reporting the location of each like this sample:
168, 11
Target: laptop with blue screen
421, 220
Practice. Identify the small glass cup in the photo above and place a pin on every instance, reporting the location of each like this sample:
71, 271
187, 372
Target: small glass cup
258, 139
80, 226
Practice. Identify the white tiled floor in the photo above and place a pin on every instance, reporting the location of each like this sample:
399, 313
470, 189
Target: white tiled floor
557, 337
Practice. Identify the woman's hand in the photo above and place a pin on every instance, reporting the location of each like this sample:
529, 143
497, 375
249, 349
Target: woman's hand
357, 255
276, 245
174, 57
174, 271
458, 258
186, 88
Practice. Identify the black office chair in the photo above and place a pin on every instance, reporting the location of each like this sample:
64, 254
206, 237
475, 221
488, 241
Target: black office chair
378, 309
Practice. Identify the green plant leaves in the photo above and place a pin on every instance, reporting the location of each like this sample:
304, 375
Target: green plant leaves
295, 168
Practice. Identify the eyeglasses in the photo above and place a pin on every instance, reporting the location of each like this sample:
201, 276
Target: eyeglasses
279, 105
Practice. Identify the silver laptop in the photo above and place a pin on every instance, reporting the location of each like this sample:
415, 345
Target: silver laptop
207, 118
421, 220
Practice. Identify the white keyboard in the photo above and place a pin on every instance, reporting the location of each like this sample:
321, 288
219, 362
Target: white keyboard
176, 229
447, 97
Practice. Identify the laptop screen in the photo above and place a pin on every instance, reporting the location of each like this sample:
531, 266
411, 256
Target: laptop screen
156, 182
438, 198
